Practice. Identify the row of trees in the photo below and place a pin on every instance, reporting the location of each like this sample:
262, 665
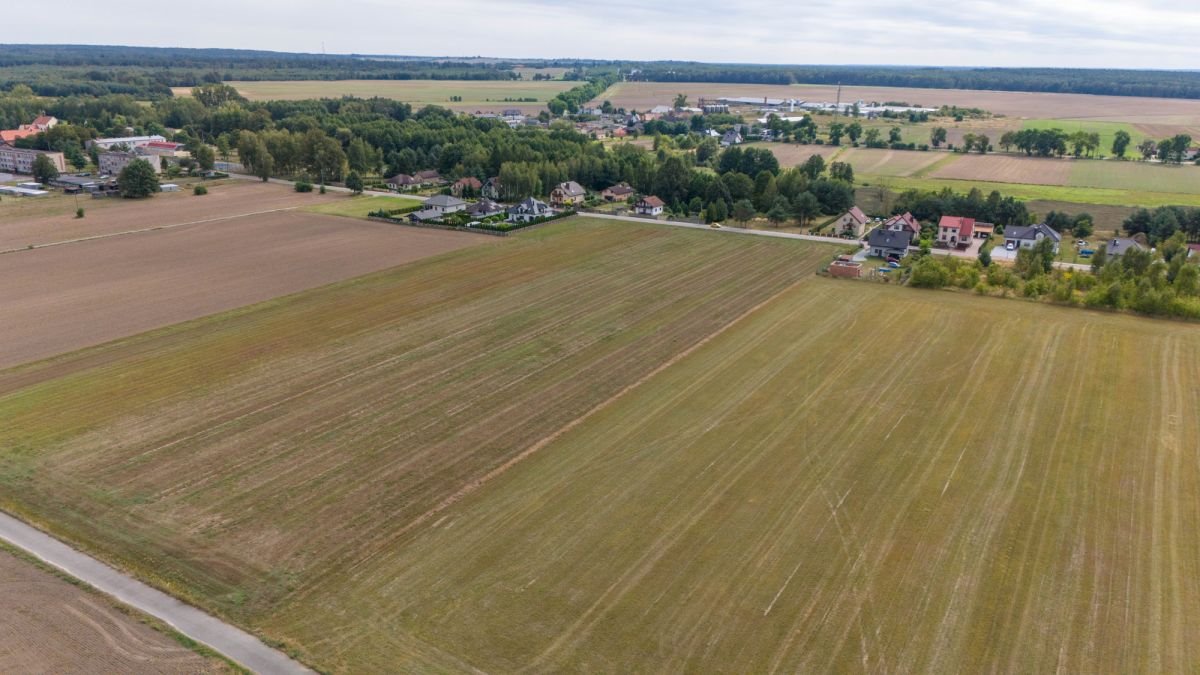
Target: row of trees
1163, 223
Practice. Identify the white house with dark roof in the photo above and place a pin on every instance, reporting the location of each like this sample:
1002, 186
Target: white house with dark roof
530, 209
889, 243
1120, 246
1027, 237
567, 194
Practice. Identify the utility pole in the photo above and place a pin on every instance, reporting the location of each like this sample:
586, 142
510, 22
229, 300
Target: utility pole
839, 98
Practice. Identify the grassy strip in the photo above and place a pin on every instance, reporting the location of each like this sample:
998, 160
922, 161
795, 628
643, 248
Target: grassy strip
360, 206
1025, 191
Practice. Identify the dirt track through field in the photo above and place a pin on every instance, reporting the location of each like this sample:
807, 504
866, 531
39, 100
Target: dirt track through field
66, 297
48, 625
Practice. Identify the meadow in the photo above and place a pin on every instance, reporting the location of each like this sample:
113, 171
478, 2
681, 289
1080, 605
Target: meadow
476, 94
616, 447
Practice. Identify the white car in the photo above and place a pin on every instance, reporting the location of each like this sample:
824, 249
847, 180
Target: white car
1010, 246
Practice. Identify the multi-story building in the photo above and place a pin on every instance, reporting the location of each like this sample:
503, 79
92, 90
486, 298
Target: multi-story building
20, 160
111, 163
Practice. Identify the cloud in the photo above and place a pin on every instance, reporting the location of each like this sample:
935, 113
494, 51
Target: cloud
1068, 33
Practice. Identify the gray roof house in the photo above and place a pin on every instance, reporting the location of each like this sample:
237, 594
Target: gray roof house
1117, 247
1027, 237
445, 204
484, 208
884, 243
731, 137
530, 209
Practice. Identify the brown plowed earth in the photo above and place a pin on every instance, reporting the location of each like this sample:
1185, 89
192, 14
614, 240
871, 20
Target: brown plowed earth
62, 298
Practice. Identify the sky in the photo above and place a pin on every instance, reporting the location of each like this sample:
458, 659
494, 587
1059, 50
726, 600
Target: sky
1058, 33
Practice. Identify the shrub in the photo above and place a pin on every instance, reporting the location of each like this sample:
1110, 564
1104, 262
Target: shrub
79, 212
303, 186
199, 190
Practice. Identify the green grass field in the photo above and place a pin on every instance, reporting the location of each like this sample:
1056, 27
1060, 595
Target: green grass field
361, 206
1184, 179
615, 447
418, 92
1082, 196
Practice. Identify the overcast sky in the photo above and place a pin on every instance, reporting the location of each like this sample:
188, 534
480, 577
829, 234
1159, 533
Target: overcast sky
1085, 33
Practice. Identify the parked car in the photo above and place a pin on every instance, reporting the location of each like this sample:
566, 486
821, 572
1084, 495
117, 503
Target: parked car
715, 226
1087, 253
894, 265
1010, 246
893, 259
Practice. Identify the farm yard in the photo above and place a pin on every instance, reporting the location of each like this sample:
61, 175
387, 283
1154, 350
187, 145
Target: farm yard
620, 447
238, 245
486, 95
48, 625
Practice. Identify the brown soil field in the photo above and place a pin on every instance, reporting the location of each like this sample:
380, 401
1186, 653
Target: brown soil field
66, 297
795, 154
1172, 112
48, 625
56, 221
1007, 169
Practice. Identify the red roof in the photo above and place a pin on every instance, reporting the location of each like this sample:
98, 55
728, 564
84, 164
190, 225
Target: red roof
857, 214
166, 145
470, 181
42, 120
965, 226
10, 135
651, 202
910, 223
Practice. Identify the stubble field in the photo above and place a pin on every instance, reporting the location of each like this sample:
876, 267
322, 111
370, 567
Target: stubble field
615, 447
48, 625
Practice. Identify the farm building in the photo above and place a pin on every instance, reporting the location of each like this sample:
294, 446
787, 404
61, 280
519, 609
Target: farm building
649, 206
845, 269
567, 194
889, 243
22, 191
1028, 237
853, 222
955, 231
128, 142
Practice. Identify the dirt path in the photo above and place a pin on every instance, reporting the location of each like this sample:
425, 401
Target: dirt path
234, 643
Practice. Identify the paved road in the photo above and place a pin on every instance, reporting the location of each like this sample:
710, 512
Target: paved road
236, 644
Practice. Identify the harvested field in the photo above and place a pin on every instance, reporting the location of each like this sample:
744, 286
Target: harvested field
252, 460
1136, 176
1107, 219
48, 625
108, 216
788, 499
485, 95
795, 154
1166, 113
1007, 169
872, 161
65, 297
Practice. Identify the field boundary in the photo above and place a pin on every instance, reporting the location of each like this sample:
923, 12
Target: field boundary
232, 642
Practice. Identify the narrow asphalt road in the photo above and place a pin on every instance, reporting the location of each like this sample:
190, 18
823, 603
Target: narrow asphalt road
234, 643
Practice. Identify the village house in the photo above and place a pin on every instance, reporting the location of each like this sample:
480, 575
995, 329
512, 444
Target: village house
1193, 251
889, 243
567, 194
492, 189
484, 208
20, 160
437, 207
1120, 246
731, 137
649, 206
429, 177
39, 124
903, 223
466, 186
402, 181
853, 222
955, 231
617, 193
1019, 236
530, 209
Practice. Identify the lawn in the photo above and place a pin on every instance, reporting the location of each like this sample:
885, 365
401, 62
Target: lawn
362, 205
254, 459
1137, 176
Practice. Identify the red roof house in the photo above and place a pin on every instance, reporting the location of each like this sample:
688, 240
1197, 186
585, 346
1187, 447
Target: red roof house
955, 231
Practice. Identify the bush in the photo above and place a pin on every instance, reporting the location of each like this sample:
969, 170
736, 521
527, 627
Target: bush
199, 190
303, 186
79, 212
929, 273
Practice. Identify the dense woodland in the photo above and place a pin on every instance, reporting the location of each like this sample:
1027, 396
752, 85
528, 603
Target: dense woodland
56, 70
